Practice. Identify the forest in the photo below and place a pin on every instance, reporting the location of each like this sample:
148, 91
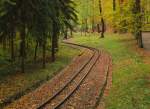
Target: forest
36, 39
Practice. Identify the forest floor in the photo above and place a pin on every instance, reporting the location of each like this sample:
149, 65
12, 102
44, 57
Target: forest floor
14, 84
131, 70
87, 94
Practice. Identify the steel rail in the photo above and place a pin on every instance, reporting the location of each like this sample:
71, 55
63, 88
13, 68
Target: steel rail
72, 78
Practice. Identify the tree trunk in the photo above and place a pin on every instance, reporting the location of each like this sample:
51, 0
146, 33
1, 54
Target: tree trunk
98, 28
44, 54
114, 5
54, 38
93, 19
35, 52
66, 34
103, 27
114, 9
102, 20
86, 26
53, 50
22, 49
56, 43
12, 47
139, 21
4, 45
140, 40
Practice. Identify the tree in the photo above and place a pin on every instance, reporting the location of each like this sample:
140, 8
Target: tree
114, 5
102, 20
41, 21
137, 21
8, 22
61, 18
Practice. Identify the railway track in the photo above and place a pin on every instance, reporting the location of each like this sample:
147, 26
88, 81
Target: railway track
62, 95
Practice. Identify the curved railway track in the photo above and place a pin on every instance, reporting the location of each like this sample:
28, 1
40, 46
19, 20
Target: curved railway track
62, 95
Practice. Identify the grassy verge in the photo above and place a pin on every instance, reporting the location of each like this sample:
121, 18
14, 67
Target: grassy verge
131, 75
17, 82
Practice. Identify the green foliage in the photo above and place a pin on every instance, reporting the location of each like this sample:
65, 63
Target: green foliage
37, 20
125, 17
88, 13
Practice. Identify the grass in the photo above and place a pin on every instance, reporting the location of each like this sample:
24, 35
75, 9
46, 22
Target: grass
131, 75
17, 82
